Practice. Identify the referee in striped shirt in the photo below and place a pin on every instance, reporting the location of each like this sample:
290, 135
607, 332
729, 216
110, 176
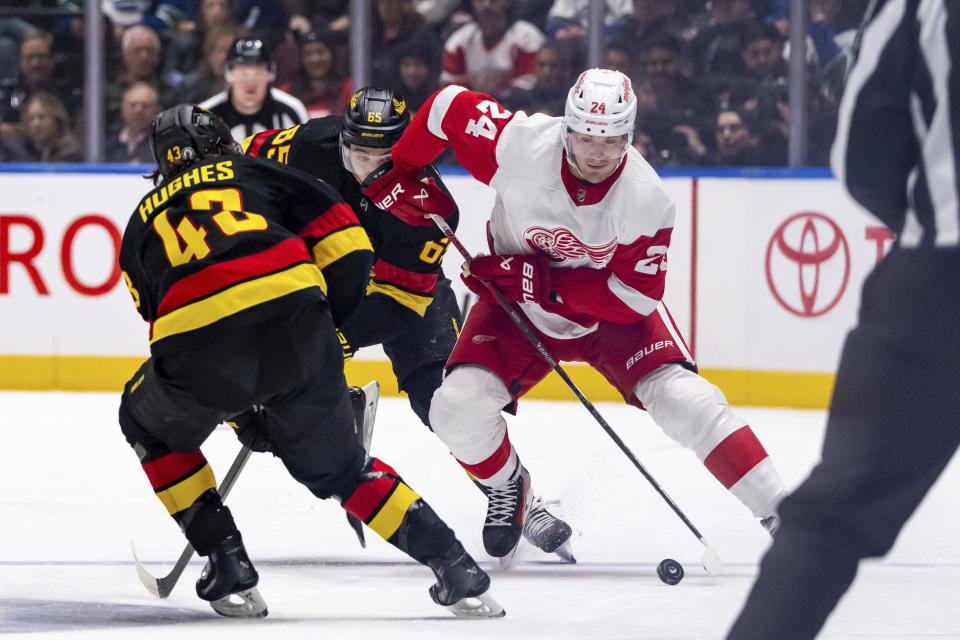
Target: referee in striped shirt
894, 420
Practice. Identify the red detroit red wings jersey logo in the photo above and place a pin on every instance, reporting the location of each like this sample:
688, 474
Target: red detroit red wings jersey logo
561, 245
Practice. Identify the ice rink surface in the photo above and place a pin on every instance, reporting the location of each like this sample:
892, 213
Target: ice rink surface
73, 498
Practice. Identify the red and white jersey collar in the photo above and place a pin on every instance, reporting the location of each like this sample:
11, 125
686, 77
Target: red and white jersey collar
583, 193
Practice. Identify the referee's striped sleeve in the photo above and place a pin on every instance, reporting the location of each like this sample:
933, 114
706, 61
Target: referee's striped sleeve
874, 148
898, 130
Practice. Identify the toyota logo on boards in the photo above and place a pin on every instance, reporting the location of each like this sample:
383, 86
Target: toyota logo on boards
808, 264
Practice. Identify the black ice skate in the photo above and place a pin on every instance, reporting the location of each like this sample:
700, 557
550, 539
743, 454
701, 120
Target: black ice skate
547, 532
464, 589
364, 404
507, 507
229, 581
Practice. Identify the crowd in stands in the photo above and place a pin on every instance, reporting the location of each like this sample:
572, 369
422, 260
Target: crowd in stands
711, 76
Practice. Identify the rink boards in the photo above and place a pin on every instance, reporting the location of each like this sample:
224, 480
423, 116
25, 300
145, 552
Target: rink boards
765, 268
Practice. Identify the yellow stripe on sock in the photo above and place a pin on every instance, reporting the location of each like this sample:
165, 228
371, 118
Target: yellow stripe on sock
391, 514
181, 495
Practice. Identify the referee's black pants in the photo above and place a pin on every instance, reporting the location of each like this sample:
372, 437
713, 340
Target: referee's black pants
893, 426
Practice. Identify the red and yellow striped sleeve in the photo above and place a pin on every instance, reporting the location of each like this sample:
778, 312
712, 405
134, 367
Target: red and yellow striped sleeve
409, 288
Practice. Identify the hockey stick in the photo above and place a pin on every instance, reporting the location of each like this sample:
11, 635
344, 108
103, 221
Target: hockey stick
710, 560
161, 587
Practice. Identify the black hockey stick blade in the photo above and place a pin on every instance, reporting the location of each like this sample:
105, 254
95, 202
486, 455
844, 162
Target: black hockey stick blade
162, 587
357, 527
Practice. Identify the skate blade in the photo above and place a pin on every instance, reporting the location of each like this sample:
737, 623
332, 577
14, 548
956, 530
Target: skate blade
507, 561
243, 604
565, 552
481, 606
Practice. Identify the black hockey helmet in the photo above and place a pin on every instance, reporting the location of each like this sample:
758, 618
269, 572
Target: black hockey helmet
185, 134
251, 51
375, 117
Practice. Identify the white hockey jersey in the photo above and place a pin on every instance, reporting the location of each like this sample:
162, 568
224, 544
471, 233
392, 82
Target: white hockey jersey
607, 241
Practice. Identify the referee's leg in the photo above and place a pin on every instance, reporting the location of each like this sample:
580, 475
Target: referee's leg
888, 438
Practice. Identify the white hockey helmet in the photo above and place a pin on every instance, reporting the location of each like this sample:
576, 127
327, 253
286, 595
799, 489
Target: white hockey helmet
601, 103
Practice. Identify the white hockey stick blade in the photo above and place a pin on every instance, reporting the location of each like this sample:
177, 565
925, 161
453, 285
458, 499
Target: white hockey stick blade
482, 606
371, 394
243, 604
151, 583
711, 561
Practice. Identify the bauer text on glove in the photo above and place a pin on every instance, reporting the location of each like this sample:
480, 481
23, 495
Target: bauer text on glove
409, 199
519, 277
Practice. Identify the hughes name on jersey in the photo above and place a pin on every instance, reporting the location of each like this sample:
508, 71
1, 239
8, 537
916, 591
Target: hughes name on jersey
233, 239
607, 241
408, 258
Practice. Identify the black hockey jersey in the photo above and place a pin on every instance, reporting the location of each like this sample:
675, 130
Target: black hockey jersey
234, 240
408, 258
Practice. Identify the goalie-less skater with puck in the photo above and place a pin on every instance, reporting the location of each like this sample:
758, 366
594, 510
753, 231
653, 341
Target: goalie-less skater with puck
579, 231
242, 268
409, 306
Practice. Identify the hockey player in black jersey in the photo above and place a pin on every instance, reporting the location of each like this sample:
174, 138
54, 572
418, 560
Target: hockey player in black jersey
409, 306
243, 268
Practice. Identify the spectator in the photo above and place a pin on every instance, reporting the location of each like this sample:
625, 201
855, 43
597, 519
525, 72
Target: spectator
549, 94
317, 83
36, 74
249, 104
317, 15
210, 75
140, 56
822, 29
494, 52
716, 48
618, 58
132, 142
650, 17
438, 13
681, 101
418, 74
265, 19
570, 19
188, 46
47, 136
736, 143
160, 15
761, 50
12, 31
396, 24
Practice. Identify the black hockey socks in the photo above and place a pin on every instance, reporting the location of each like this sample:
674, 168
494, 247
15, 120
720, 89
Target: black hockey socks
207, 523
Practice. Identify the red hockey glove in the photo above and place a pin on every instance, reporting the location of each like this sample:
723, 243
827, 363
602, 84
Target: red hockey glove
399, 192
519, 277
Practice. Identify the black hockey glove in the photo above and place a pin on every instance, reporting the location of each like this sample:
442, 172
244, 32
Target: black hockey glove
248, 427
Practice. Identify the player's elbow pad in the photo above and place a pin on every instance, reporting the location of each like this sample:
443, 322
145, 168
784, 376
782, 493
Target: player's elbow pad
347, 280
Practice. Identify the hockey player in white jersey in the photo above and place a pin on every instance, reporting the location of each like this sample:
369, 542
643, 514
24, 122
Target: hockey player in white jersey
579, 234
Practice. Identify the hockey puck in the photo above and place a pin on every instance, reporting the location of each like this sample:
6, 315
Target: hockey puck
670, 571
